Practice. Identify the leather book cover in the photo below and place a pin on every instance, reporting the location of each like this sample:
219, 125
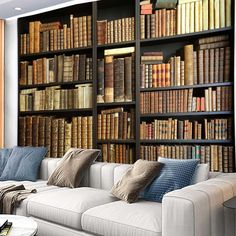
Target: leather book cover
188, 62
109, 79
61, 137
128, 79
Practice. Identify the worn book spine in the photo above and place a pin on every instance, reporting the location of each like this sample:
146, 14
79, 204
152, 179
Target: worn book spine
188, 62
109, 79
100, 86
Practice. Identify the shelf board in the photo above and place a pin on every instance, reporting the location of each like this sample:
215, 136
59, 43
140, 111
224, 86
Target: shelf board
52, 53
180, 114
55, 84
187, 87
183, 141
181, 37
113, 45
125, 141
113, 104
54, 112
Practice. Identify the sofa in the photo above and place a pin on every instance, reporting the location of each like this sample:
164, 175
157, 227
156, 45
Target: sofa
196, 210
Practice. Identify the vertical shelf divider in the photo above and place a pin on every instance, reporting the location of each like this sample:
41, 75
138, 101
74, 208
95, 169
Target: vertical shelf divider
137, 79
94, 55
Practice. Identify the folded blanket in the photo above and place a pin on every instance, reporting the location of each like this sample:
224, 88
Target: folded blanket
11, 196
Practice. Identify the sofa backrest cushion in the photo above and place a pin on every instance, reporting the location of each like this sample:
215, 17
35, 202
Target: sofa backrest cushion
101, 175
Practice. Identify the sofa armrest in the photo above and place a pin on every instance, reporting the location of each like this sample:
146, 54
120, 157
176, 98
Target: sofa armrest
197, 210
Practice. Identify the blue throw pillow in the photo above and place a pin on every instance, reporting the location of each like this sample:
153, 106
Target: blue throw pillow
4, 155
175, 174
24, 163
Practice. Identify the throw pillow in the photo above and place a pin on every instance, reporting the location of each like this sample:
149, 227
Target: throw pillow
201, 173
23, 163
72, 168
4, 156
175, 174
135, 180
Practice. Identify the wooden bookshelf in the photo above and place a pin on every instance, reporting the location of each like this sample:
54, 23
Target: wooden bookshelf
169, 45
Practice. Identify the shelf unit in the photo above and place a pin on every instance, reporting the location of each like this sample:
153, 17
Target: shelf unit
113, 10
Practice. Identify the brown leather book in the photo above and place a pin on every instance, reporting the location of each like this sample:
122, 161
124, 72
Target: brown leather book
22, 131
84, 126
188, 62
206, 65
102, 32
84, 31
200, 67
35, 131
76, 32
148, 26
100, 85
41, 130
67, 140
37, 25
31, 37
128, 79
61, 137
227, 65
211, 66
89, 30
153, 26
221, 64
54, 137
119, 80
142, 26
48, 134
216, 65
109, 79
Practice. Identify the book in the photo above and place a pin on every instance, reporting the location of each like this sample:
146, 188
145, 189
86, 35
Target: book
119, 51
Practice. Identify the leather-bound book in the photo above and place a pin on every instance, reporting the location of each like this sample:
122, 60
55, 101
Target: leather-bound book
61, 137
82, 67
100, 86
221, 64
200, 67
72, 31
23, 72
48, 126
119, 80
142, 26
90, 131
103, 126
31, 37
65, 36
35, 131
84, 132
211, 65
102, 32
41, 130
89, 30
67, 140
79, 131
76, 32
81, 31
227, 65
206, 65
216, 65
84, 30
128, 79
22, 131
54, 137
37, 25
189, 66
28, 133
153, 26
109, 79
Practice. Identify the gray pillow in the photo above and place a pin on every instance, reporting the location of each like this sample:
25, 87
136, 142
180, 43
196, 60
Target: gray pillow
4, 155
136, 179
23, 163
72, 168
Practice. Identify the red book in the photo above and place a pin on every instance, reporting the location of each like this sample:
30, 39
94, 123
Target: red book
198, 104
202, 104
146, 12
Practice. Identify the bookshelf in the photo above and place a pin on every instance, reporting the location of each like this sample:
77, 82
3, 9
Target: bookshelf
127, 149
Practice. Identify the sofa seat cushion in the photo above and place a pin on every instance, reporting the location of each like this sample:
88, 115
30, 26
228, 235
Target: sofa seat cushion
121, 218
66, 206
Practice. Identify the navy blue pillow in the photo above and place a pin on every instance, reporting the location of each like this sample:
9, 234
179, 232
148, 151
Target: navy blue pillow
175, 174
4, 155
24, 163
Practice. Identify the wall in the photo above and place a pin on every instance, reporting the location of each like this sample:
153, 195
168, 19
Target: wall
1, 83
11, 77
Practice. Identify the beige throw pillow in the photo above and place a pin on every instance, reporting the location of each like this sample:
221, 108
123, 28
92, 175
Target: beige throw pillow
135, 180
73, 167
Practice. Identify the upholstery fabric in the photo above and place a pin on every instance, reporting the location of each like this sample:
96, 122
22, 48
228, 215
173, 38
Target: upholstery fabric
24, 163
201, 173
71, 170
52, 206
4, 155
135, 180
120, 218
175, 174
197, 210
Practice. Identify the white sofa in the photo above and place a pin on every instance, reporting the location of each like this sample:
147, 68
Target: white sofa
196, 210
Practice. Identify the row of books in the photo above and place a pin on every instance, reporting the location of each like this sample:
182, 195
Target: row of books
172, 129
159, 24
214, 99
220, 158
189, 17
210, 63
115, 79
115, 31
117, 153
199, 15
61, 68
55, 98
116, 124
55, 36
57, 134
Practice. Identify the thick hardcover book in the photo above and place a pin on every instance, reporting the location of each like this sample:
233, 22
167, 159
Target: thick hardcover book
128, 79
100, 85
119, 80
188, 62
109, 79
